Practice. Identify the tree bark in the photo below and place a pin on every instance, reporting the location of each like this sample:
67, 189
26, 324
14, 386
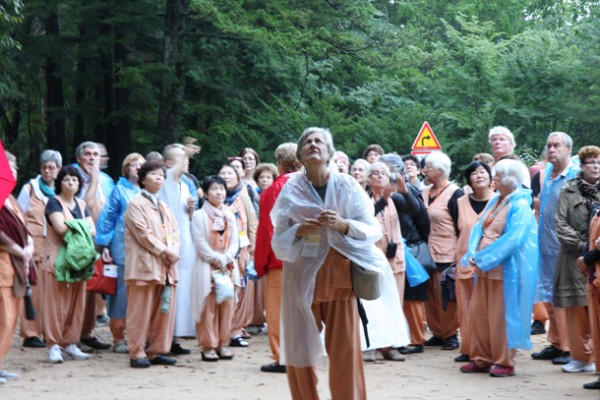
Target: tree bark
172, 89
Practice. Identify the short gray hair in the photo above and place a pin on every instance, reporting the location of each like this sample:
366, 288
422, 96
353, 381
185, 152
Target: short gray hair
378, 166
51, 155
513, 172
567, 140
394, 162
326, 135
440, 161
85, 145
501, 130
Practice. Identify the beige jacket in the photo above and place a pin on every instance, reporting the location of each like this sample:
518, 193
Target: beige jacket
146, 238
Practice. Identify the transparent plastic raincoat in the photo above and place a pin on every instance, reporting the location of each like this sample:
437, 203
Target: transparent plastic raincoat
300, 340
517, 251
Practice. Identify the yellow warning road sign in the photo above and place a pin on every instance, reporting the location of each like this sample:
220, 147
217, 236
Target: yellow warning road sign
425, 142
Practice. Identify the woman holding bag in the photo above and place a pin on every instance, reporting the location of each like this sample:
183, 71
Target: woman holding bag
152, 251
215, 234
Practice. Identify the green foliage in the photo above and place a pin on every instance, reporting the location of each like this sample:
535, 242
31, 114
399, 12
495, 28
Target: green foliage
256, 73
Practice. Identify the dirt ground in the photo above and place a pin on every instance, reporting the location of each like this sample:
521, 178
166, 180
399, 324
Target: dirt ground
430, 375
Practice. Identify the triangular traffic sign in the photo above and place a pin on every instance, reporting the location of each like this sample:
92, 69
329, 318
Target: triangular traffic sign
425, 142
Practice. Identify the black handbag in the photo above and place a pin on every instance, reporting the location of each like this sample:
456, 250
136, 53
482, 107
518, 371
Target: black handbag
420, 251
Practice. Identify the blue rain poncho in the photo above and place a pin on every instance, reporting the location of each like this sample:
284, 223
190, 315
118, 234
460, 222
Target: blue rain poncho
517, 251
549, 246
110, 228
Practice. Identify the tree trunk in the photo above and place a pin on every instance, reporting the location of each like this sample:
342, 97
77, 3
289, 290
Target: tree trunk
171, 94
56, 135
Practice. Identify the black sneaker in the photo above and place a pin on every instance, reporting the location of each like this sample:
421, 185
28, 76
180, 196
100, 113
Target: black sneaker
563, 359
139, 363
462, 358
412, 349
547, 353
273, 367
434, 341
177, 350
451, 343
592, 385
95, 343
34, 342
163, 360
538, 328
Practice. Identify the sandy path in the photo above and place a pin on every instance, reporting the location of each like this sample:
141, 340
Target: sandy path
427, 376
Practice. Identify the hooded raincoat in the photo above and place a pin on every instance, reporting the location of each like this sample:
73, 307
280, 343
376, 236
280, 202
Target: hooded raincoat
516, 251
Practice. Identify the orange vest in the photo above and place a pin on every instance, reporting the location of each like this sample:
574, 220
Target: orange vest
493, 227
442, 237
390, 225
467, 218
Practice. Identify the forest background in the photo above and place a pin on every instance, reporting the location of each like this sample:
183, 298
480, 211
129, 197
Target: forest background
138, 74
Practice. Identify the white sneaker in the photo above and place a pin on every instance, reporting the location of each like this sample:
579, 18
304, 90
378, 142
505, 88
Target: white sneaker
74, 353
55, 354
578, 366
9, 376
2, 381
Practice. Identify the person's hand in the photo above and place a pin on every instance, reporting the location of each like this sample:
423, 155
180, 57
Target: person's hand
401, 184
235, 207
191, 149
309, 227
169, 256
106, 257
27, 254
331, 219
581, 266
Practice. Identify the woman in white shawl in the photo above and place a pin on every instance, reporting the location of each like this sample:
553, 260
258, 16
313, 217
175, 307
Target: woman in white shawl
215, 235
323, 220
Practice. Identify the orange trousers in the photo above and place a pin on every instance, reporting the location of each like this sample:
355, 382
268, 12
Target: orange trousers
146, 323
342, 341
593, 294
62, 310
579, 334
558, 334
258, 316
30, 329
464, 293
243, 310
488, 330
9, 313
215, 324
442, 324
273, 309
539, 312
414, 310
117, 328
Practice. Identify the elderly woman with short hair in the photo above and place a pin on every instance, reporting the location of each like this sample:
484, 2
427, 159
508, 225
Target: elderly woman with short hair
503, 251
264, 175
569, 287
441, 200
33, 198
359, 172
323, 219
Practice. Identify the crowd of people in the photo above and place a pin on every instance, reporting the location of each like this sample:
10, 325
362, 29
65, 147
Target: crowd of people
281, 248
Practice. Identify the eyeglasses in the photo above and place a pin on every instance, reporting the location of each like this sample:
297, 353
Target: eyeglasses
597, 162
48, 168
377, 173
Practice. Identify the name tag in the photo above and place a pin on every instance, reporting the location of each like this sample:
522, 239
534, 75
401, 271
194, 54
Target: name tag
244, 241
310, 247
110, 270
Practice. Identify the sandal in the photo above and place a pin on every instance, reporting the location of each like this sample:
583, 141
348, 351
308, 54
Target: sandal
224, 353
238, 341
210, 355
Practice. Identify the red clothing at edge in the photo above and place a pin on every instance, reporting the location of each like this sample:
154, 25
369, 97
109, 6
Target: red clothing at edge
264, 258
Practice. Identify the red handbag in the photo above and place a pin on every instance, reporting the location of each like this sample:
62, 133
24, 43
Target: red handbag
104, 279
